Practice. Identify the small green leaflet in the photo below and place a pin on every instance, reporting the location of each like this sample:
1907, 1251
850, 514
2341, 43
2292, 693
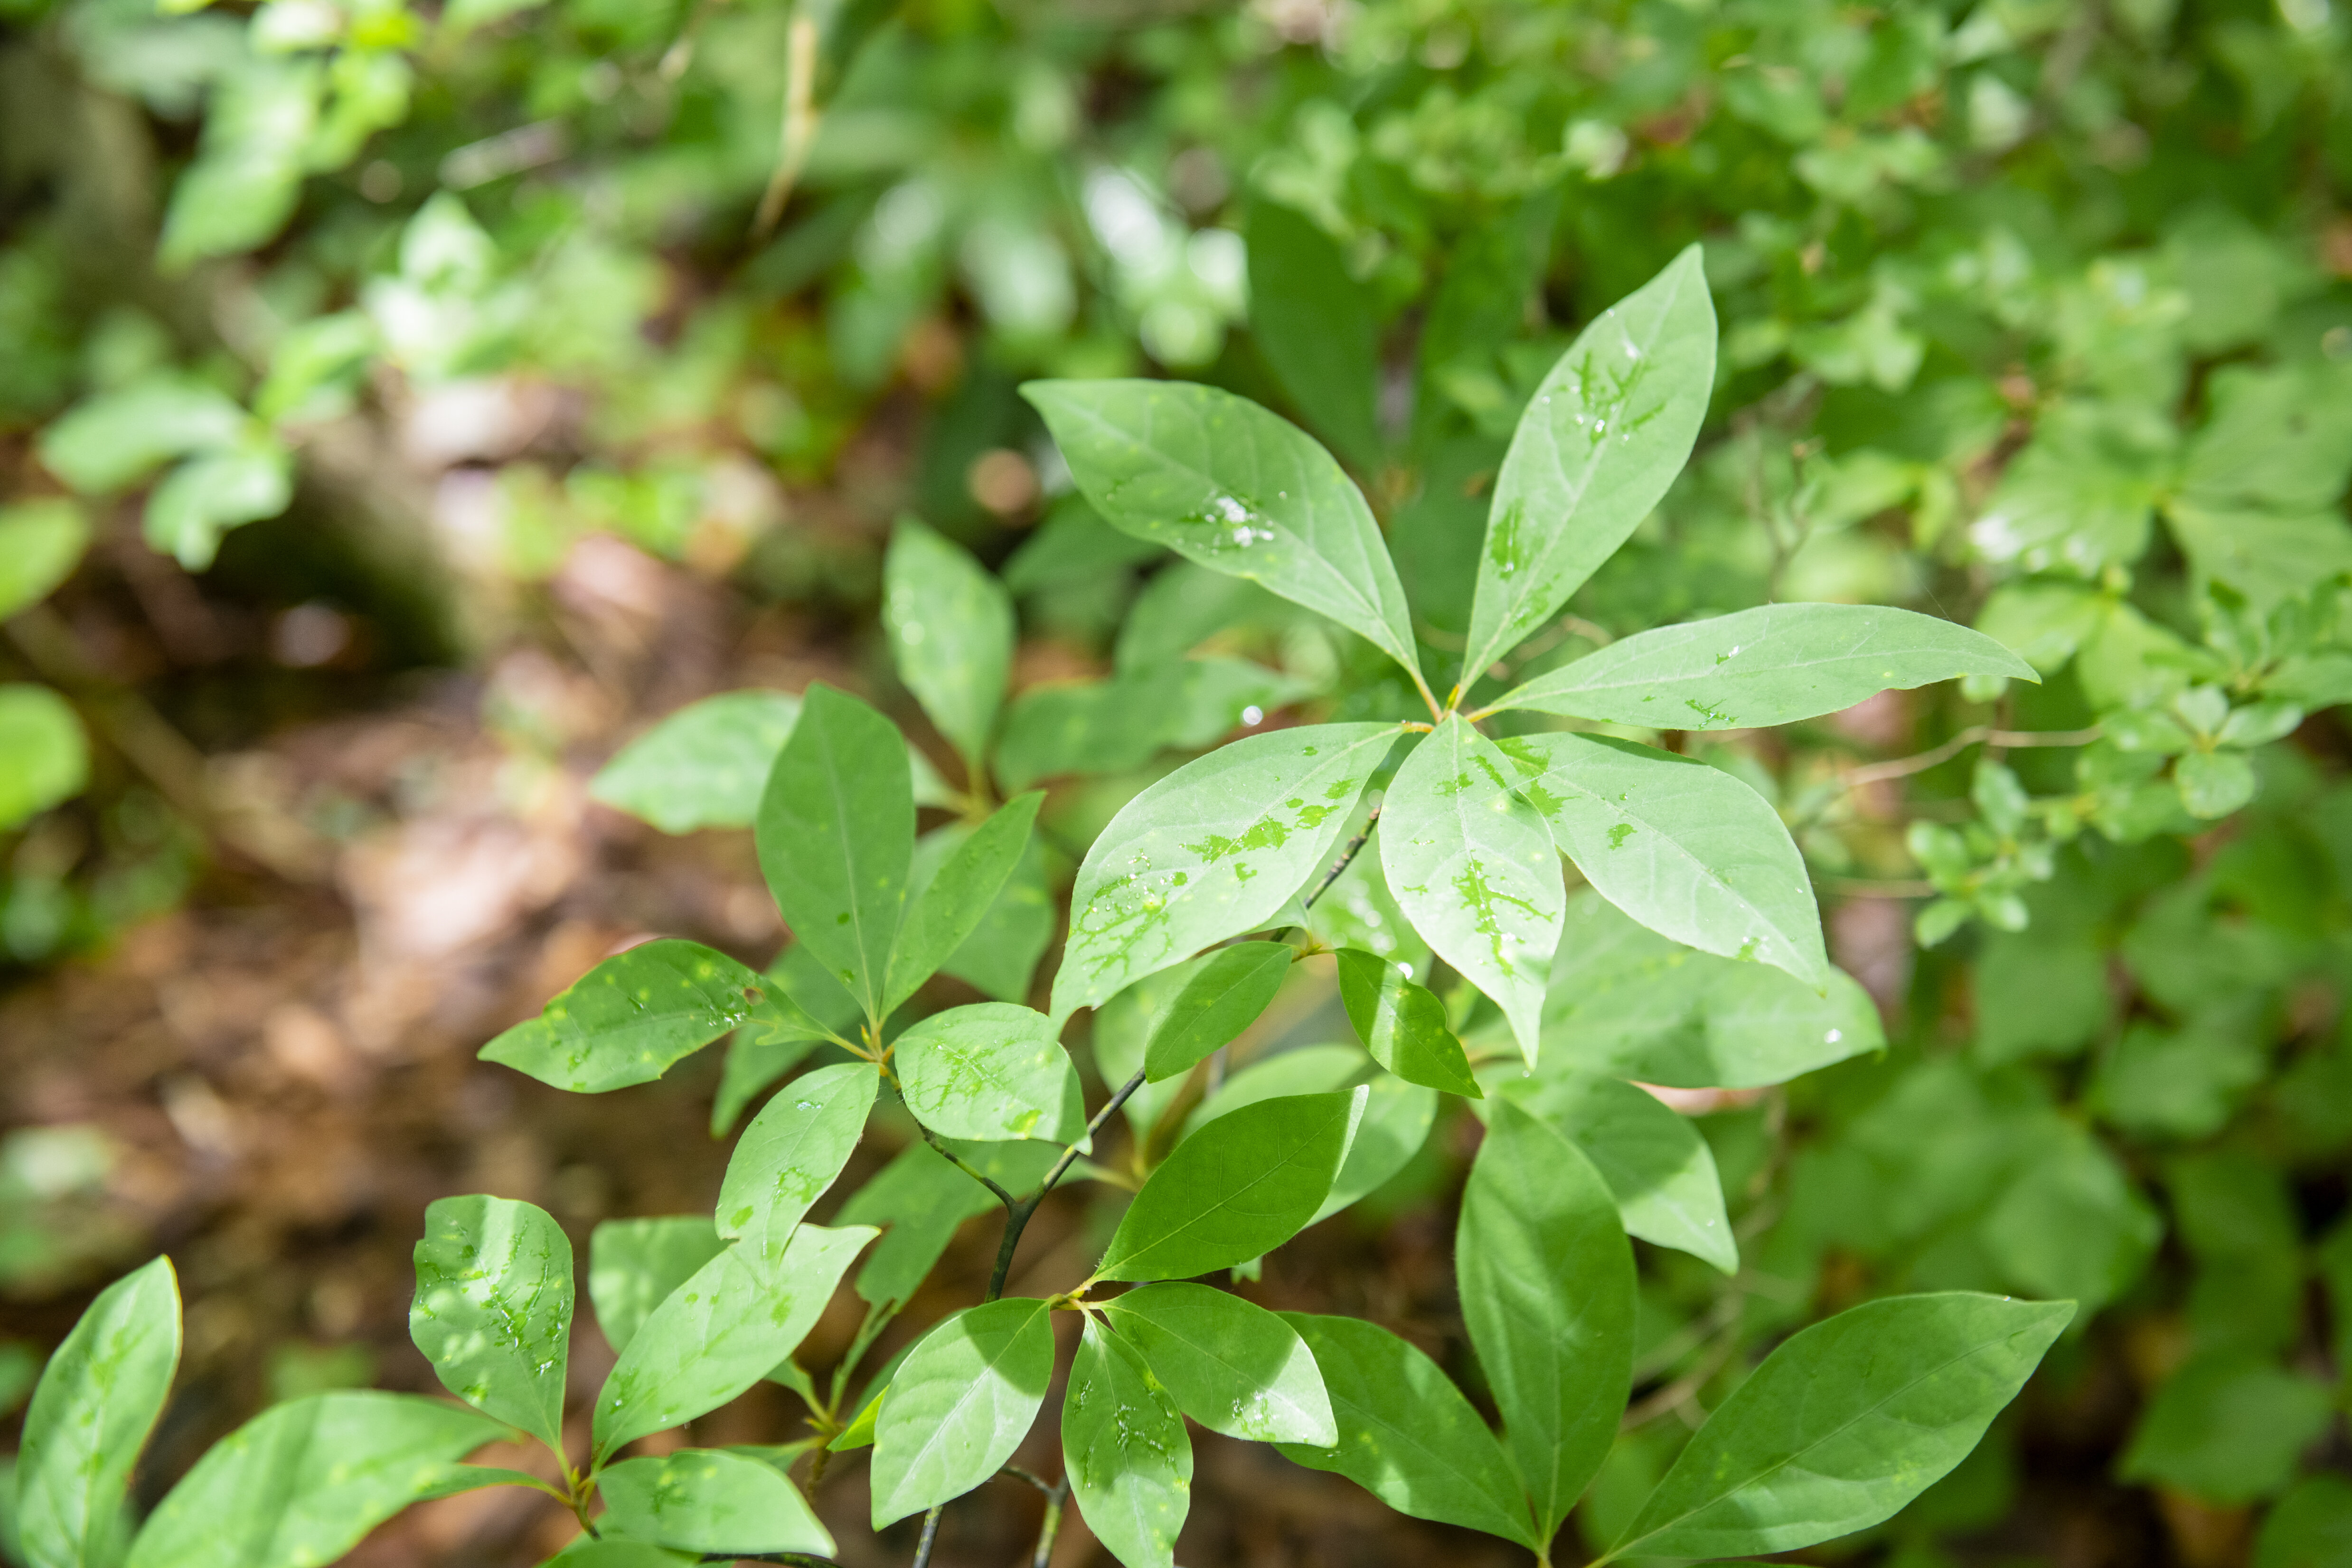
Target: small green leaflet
1215, 849
952, 631
1231, 1365
1659, 1169
1223, 997
789, 1154
1237, 1188
1686, 848
1224, 482
1406, 1435
41, 542
836, 833
1475, 869
720, 1332
990, 1071
1314, 324
1403, 1025
95, 1403
1845, 1423
1627, 1002
1546, 1286
113, 440
702, 767
48, 754
709, 1501
493, 1309
961, 1402
958, 896
1605, 434
1125, 1451
631, 1019
1773, 664
633, 1264
300, 1483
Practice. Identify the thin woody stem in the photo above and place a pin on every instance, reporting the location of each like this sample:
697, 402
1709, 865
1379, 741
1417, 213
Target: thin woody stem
1044, 1556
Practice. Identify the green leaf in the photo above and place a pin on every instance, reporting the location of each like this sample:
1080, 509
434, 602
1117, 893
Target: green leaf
791, 1153
300, 1483
2071, 1220
800, 1006
708, 1500
1000, 958
113, 440
1125, 1451
1236, 1189
720, 1332
952, 631
990, 1071
1628, 1002
963, 1400
1223, 996
1225, 484
1314, 324
1658, 1168
634, 1264
1215, 849
836, 834
1773, 664
2310, 1527
214, 492
2228, 1428
958, 896
1403, 1025
1475, 869
920, 1198
2078, 498
587, 1551
631, 1019
1395, 1124
248, 169
1231, 1365
1547, 1285
41, 542
1845, 1423
49, 755
493, 1309
1604, 435
95, 1403
1108, 727
1686, 848
1406, 1435
702, 767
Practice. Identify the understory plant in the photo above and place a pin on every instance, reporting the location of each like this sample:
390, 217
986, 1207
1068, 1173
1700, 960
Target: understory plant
1416, 860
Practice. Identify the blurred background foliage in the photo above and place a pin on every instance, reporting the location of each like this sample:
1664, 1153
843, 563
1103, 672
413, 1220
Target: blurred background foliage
400, 406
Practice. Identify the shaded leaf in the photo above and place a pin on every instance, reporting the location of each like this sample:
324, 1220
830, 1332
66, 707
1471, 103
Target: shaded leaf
1403, 1025
1658, 1168
1107, 727
1222, 998
1314, 324
631, 1019
634, 1264
493, 1309
702, 767
952, 631
961, 1402
959, 895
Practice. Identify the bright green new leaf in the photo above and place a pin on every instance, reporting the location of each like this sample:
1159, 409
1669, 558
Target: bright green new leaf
1686, 848
1403, 1025
1406, 1435
1547, 1285
41, 542
631, 1019
1237, 1188
1772, 665
1659, 1169
958, 896
49, 755
1215, 849
1125, 1451
1224, 482
720, 1332
1845, 1423
115, 439
1223, 996
300, 1483
789, 1154
1604, 435
836, 832
1230, 1364
95, 1403
990, 1071
702, 767
1475, 868
952, 631
635, 1264
214, 492
961, 1402
1314, 323
493, 1309
1629, 1002
709, 1501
